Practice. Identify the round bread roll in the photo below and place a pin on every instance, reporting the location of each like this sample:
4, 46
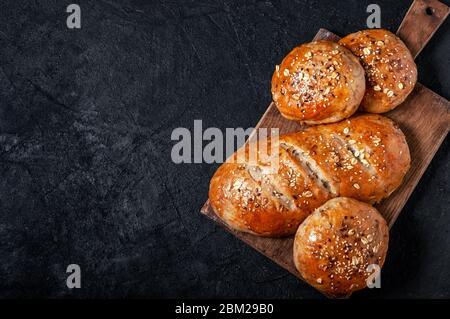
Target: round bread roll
318, 82
391, 73
335, 245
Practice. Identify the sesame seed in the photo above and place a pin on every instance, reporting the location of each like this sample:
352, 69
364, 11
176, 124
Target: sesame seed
366, 51
346, 130
376, 140
319, 280
356, 185
376, 88
400, 86
390, 93
307, 194
286, 72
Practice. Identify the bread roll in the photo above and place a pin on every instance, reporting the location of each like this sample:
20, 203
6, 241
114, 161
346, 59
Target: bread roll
364, 157
318, 82
335, 245
391, 73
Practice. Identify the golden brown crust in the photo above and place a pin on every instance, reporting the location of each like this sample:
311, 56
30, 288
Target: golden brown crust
318, 82
364, 157
391, 73
335, 245
251, 198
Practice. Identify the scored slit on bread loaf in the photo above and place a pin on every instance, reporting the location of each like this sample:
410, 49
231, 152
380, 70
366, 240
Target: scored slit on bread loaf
270, 187
303, 157
356, 154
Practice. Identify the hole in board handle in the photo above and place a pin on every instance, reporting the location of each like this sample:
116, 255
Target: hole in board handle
429, 11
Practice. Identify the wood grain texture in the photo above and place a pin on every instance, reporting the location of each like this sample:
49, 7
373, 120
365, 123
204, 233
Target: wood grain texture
424, 118
420, 23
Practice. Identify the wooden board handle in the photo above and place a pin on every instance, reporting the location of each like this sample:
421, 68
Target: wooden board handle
421, 21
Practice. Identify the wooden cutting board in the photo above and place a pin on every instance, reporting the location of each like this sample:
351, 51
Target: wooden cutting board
424, 118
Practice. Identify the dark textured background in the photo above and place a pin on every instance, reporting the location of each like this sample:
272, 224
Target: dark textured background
85, 123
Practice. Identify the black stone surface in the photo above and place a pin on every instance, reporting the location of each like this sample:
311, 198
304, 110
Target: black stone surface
85, 123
